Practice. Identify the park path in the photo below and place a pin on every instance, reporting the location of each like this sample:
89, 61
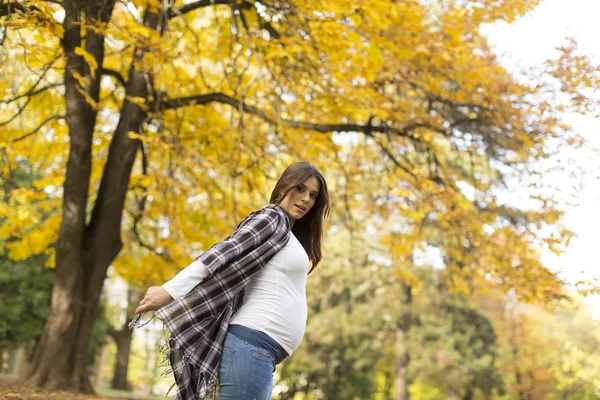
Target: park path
10, 390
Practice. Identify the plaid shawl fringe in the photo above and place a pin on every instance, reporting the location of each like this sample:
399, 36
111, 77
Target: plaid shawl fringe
206, 384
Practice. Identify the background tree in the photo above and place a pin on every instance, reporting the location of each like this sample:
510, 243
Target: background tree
455, 349
123, 338
539, 348
347, 322
25, 288
25, 282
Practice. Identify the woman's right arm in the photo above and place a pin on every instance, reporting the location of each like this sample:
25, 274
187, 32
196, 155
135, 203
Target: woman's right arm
256, 229
186, 279
159, 296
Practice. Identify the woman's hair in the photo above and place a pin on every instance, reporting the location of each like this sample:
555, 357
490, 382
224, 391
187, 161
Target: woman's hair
309, 228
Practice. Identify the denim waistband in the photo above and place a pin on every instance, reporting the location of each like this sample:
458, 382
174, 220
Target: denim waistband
259, 339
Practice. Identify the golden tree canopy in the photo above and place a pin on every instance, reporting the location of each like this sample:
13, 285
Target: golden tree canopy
402, 104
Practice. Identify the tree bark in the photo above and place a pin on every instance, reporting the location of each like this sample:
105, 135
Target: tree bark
402, 356
84, 253
60, 358
387, 390
123, 339
99, 365
468, 394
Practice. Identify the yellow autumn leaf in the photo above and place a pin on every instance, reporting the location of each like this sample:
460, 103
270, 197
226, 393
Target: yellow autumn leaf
89, 59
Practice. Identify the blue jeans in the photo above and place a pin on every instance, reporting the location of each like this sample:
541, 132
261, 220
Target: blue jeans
246, 370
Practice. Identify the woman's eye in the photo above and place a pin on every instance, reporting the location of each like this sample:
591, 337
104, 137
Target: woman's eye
300, 189
313, 196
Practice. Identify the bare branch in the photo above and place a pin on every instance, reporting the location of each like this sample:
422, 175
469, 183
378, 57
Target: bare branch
44, 122
31, 92
396, 162
140, 212
272, 31
21, 109
264, 24
175, 12
9, 8
4, 35
114, 74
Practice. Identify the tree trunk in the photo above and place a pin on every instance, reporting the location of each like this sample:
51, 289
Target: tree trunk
522, 395
468, 394
402, 357
123, 340
401, 381
60, 358
84, 253
99, 365
387, 390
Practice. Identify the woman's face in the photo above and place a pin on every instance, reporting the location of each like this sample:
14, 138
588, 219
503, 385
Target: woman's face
301, 199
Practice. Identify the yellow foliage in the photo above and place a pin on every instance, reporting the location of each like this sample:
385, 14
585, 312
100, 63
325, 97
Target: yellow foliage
51, 261
424, 116
89, 59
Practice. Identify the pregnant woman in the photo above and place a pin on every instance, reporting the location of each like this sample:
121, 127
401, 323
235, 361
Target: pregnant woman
240, 308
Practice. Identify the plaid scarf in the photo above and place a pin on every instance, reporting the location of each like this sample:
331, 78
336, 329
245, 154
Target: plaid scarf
198, 321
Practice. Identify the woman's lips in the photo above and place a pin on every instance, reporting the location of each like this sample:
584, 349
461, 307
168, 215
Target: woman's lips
299, 208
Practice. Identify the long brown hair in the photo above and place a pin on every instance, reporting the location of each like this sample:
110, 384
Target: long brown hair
308, 229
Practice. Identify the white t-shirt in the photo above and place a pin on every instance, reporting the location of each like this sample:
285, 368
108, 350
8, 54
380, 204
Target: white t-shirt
275, 298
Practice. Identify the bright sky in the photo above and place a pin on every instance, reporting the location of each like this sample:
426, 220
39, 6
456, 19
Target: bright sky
529, 42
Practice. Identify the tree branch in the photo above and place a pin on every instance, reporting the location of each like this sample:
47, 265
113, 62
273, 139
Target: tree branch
4, 35
323, 128
114, 74
9, 8
387, 151
140, 212
19, 112
368, 129
44, 122
112, 332
177, 11
32, 92
264, 24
